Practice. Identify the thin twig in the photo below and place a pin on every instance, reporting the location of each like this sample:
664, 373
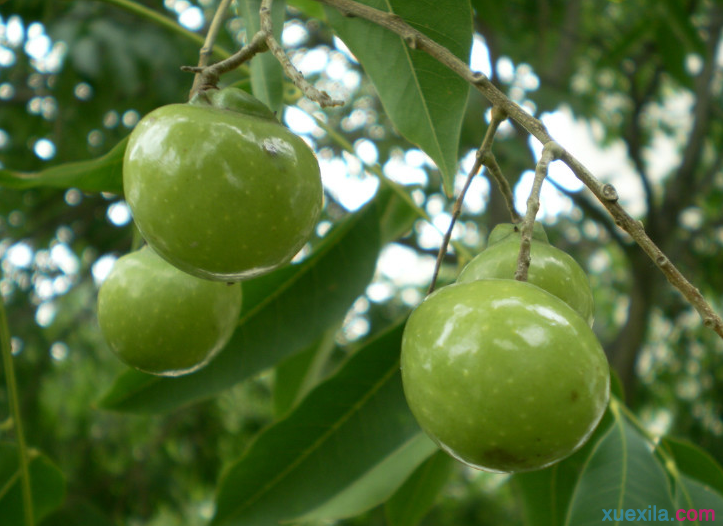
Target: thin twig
211, 74
320, 97
550, 152
204, 55
494, 169
497, 118
605, 193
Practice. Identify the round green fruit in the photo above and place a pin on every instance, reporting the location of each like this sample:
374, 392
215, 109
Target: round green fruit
502, 375
219, 188
162, 320
550, 268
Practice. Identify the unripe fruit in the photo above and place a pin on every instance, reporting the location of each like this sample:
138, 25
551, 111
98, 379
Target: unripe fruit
161, 320
550, 268
219, 188
502, 375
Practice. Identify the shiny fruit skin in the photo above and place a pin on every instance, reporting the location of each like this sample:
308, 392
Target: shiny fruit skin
550, 268
502, 375
162, 320
221, 193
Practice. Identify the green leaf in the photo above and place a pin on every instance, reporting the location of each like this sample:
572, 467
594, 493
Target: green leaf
284, 312
424, 99
696, 503
103, 174
310, 8
376, 486
621, 474
415, 498
46, 480
298, 374
339, 435
267, 77
694, 462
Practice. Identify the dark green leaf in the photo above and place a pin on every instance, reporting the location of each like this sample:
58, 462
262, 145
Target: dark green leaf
621, 474
414, 499
46, 480
344, 430
378, 484
296, 375
310, 8
267, 78
284, 312
103, 174
694, 462
423, 98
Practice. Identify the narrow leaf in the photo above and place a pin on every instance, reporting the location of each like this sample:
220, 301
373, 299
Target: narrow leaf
297, 375
284, 312
376, 486
340, 432
415, 498
46, 480
103, 174
621, 474
423, 98
267, 78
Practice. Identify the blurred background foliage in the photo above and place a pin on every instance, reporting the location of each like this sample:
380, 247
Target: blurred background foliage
637, 85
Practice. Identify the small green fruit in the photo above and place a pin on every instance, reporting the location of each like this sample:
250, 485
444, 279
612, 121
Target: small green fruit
161, 320
550, 268
503, 230
502, 375
219, 188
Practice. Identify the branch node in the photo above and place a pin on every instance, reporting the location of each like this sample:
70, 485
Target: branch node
709, 323
479, 78
662, 261
411, 40
610, 193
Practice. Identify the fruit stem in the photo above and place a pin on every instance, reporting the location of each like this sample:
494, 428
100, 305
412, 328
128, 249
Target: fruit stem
17, 420
207, 48
498, 116
550, 152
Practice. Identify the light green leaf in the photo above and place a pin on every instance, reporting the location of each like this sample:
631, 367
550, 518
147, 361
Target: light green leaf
424, 99
696, 503
338, 436
283, 313
416, 496
267, 78
46, 480
104, 174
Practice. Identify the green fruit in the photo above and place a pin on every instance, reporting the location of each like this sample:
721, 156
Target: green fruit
550, 268
219, 188
503, 230
161, 320
502, 375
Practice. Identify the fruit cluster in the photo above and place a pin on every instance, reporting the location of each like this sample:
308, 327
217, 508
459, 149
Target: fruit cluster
221, 192
507, 375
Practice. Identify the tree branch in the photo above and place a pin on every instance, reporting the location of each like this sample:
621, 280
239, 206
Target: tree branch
550, 152
498, 117
605, 193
